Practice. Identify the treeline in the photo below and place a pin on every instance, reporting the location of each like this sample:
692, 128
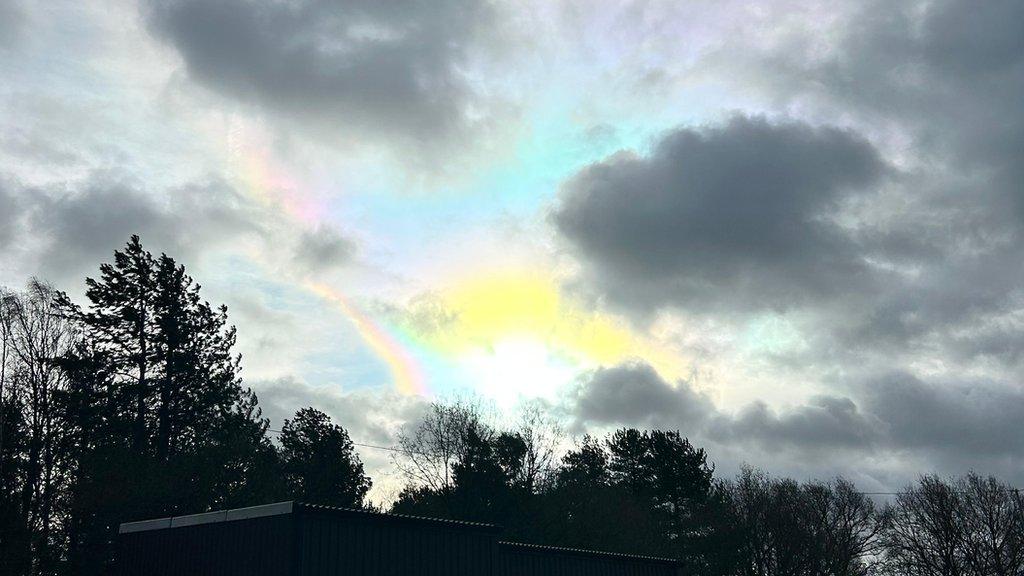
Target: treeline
132, 407
653, 492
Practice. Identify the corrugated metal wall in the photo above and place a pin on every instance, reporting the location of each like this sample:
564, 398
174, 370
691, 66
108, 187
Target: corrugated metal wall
344, 542
292, 539
252, 547
530, 560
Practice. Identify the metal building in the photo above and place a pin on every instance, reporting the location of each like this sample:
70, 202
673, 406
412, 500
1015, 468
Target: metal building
295, 539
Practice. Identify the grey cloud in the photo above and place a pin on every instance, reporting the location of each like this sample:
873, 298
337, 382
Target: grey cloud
635, 394
954, 75
950, 426
942, 304
370, 416
735, 214
901, 272
947, 74
12, 20
951, 76
372, 66
323, 248
963, 37
82, 223
964, 419
824, 422
10, 215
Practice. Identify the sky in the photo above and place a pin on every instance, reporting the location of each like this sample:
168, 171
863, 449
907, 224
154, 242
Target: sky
791, 230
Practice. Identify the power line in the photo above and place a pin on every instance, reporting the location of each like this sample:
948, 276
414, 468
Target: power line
364, 445
1014, 490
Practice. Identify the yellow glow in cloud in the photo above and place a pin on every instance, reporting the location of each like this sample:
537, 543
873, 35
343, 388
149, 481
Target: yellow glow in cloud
521, 323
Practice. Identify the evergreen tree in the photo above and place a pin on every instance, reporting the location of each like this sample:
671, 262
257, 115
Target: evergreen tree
320, 462
482, 489
164, 424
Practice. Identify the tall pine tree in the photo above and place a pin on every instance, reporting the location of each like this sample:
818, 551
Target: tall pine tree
166, 425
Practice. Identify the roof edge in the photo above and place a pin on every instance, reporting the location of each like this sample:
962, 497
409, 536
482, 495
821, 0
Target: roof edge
385, 517
290, 507
248, 512
585, 552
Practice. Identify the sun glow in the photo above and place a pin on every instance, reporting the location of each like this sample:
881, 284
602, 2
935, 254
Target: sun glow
517, 368
516, 335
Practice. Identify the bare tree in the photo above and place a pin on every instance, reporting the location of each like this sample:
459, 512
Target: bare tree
991, 519
814, 528
542, 436
34, 336
923, 532
847, 527
777, 535
428, 450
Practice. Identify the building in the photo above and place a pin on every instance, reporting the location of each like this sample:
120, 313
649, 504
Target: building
295, 539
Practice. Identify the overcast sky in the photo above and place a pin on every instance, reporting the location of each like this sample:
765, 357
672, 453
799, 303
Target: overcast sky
792, 230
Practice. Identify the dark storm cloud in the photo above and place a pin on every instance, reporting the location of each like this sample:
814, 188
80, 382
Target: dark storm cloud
81, 223
323, 248
971, 419
364, 64
737, 215
636, 394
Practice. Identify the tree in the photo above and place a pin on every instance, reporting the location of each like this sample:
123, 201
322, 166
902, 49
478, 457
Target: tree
584, 468
34, 461
971, 526
430, 449
586, 507
249, 461
98, 482
15, 535
163, 423
782, 527
320, 462
670, 477
776, 537
923, 533
482, 488
846, 527
458, 466
541, 436
120, 325
991, 516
